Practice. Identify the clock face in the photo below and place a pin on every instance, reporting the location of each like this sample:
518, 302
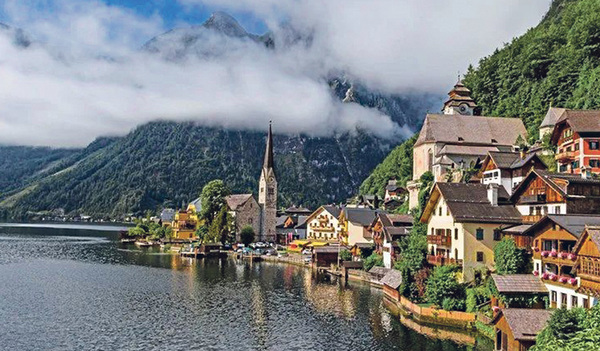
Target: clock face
271, 179
463, 109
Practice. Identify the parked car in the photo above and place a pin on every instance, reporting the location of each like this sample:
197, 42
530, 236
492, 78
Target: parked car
271, 252
282, 254
306, 252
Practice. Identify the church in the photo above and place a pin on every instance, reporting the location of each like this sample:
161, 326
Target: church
267, 194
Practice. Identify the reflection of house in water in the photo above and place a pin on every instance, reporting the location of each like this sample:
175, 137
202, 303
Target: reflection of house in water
329, 298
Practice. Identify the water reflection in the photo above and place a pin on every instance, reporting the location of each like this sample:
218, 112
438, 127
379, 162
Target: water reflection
87, 291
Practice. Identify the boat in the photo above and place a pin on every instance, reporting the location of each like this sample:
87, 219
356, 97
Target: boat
143, 244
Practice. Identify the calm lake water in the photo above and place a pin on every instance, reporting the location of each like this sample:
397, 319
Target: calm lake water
79, 289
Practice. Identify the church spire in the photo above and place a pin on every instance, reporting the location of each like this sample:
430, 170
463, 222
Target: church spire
269, 151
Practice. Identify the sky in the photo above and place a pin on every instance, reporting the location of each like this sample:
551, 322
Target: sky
85, 75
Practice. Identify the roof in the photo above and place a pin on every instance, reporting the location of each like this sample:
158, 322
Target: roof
552, 116
397, 219
395, 225
572, 223
364, 245
197, 203
519, 283
453, 149
294, 210
551, 178
468, 202
471, 129
326, 249
301, 222
393, 279
594, 235
236, 200
583, 122
379, 270
333, 210
361, 216
525, 323
280, 221
167, 215
516, 229
268, 162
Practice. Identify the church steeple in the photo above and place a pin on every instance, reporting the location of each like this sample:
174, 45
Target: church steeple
268, 163
459, 101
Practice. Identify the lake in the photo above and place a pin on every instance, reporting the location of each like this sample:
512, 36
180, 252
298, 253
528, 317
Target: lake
80, 289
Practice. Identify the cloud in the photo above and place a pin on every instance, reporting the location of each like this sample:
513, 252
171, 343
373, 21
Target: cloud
88, 77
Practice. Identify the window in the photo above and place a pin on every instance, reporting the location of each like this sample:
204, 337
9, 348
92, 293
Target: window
531, 210
594, 163
553, 296
574, 301
455, 233
432, 231
594, 145
456, 254
479, 234
440, 210
447, 211
586, 302
557, 209
479, 256
497, 235
545, 209
575, 165
537, 267
271, 191
577, 147
563, 300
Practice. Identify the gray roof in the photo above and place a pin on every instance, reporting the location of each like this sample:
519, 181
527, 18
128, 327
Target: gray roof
519, 283
326, 249
516, 229
167, 215
550, 179
361, 216
525, 323
333, 210
471, 129
301, 222
469, 203
453, 149
393, 279
379, 270
236, 200
572, 223
197, 203
552, 116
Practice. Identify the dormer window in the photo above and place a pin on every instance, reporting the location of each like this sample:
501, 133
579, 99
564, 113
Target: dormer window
461, 139
494, 141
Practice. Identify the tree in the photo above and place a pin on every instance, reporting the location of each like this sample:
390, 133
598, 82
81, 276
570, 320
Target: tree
444, 290
509, 259
413, 250
247, 235
202, 233
213, 199
219, 230
372, 261
345, 255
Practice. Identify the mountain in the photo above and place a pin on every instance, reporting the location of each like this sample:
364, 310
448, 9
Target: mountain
167, 163
556, 63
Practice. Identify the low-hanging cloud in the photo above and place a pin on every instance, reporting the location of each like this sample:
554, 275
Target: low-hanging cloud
86, 77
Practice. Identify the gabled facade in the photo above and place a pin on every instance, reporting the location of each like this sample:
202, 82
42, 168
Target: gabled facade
542, 193
355, 223
245, 212
323, 225
463, 225
587, 251
549, 121
577, 138
508, 168
387, 229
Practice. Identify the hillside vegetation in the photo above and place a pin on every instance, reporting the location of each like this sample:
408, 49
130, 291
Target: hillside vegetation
556, 63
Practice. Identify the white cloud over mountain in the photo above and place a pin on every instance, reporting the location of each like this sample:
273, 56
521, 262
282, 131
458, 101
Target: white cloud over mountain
85, 75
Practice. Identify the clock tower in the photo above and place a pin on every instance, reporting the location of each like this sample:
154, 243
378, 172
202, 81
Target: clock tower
459, 101
267, 194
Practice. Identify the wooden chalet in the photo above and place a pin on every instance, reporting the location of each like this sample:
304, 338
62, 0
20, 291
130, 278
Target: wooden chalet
516, 328
587, 251
387, 229
543, 192
508, 168
325, 256
577, 137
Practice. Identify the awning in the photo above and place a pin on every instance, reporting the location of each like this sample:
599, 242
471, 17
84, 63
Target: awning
318, 244
300, 242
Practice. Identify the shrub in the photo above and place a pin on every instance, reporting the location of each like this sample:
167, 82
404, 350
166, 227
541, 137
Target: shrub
247, 235
373, 260
443, 284
345, 255
509, 259
453, 304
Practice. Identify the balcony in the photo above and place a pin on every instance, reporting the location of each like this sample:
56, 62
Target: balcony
436, 260
531, 219
565, 156
564, 281
533, 199
557, 258
440, 240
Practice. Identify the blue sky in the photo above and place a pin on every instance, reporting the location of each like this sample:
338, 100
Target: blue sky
175, 14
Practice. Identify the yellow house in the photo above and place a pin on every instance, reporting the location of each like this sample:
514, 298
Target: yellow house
323, 225
463, 225
355, 223
187, 222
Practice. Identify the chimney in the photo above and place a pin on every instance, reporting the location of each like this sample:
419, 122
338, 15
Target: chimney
492, 194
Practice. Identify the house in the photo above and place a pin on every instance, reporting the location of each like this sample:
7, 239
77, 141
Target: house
324, 225
552, 116
515, 329
508, 168
245, 212
543, 192
195, 205
393, 191
453, 143
167, 215
291, 227
185, 224
360, 250
515, 289
325, 256
355, 223
391, 283
577, 139
587, 251
387, 229
554, 257
297, 211
464, 223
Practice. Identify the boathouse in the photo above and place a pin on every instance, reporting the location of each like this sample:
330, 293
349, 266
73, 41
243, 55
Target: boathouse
516, 328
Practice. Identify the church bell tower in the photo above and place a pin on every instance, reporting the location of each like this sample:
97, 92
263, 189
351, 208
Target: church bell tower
459, 101
267, 194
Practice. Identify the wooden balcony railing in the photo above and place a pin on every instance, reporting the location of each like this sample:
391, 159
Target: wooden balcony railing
531, 219
565, 156
436, 260
558, 258
533, 199
441, 240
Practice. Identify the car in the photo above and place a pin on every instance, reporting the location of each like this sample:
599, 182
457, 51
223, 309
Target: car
282, 254
271, 252
306, 252
308, 259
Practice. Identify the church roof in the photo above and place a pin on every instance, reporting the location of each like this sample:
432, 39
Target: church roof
471, 129
268, 163
237, 200
460, 95
552, 116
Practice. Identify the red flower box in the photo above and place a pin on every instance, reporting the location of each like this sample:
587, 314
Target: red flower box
553, 277
545, 253
572, 257
572, 281
562, 279
545, 276
536, 273
563, 255
553, 253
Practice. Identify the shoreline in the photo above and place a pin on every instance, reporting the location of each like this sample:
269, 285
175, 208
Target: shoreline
103, 227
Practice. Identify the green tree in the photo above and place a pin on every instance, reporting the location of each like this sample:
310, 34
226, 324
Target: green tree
213, 199
202, 233
345, 255
510, 259
444, 290
373, 260
247, 235
220, 229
